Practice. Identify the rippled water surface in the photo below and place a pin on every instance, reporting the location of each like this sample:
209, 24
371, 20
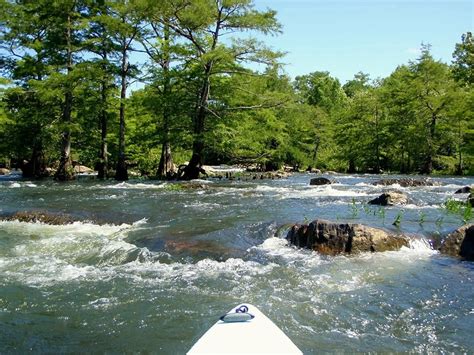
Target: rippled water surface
152, 266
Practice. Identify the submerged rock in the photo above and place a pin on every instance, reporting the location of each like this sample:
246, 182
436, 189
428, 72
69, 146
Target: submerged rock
464, 190
406, 182
460, 243
390, 198
41, 217
331, 238
320, 181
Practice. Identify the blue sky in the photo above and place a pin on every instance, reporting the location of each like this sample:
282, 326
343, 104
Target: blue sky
373, 36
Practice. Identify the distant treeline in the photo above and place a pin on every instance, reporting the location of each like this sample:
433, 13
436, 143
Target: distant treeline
66, 70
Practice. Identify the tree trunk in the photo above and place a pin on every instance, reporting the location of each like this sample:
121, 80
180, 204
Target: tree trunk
166, 168
65, 170
460, 167
317, 143
121, 173
37, 160
103, 154
377, 141
352, 167
35, 168
192, 170
428, 165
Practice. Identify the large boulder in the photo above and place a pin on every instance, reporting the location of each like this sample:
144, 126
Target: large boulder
460, 243
331, 238
390, 198
320, 181
4, 171
406, 182
464, 190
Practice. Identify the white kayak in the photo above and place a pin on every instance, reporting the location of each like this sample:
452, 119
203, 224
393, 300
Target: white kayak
244, 330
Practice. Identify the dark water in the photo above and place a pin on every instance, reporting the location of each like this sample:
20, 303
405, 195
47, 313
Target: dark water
157, 264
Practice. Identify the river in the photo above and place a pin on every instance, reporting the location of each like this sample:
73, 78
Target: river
152, 265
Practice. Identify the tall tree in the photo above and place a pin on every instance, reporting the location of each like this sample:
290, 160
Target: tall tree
65, 40
25, 59
100, 41
463, 64
127, 28
463, 72
204, 23
160, 44
320, 89
431, 87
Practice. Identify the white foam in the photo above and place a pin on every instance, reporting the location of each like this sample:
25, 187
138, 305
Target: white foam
310, 191
136, 186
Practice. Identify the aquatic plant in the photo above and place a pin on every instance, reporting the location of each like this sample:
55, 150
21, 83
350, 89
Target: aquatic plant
460, 208
467, 215
453, 206
354, 208
398, 219
173, 187
439, 222
381, 213
367, 209
422, 217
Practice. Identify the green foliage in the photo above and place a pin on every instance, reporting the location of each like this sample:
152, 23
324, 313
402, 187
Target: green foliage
463, 66
200, 94
459, 208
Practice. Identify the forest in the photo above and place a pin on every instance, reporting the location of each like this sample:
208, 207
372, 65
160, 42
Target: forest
160, 88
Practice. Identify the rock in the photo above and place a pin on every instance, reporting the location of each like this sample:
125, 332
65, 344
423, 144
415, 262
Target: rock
406, 182
464, 190
460, 243
82, 169
390, 198
331, 238
312, 170
320, 181
470, 200
4, 171
42, 217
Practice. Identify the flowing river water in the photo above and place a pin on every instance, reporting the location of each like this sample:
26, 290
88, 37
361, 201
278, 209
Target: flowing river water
153, 265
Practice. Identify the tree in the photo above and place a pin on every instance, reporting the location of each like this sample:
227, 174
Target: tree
166, 57
203, 23
64, 40
361, 131
100, 41
463, 73
127, 26
325, 94
26, 61
463, 64
431, 86
320, 89
360, 82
